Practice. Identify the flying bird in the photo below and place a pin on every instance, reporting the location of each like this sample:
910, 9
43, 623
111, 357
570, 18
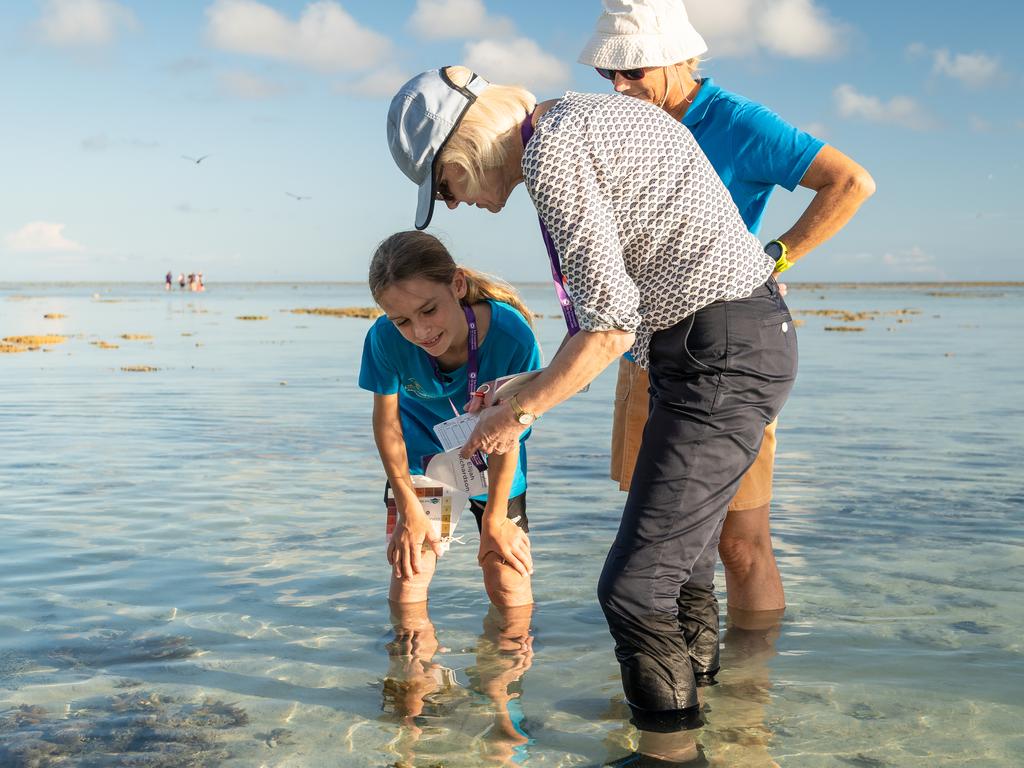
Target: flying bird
299, 197
196, 160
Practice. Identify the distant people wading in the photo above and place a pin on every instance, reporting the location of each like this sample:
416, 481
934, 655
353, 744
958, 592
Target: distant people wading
654, 259
648, 49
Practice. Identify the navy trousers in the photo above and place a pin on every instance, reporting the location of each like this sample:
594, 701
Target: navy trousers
717, 379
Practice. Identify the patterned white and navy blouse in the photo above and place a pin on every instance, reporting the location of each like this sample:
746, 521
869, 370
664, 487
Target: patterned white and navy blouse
645, 230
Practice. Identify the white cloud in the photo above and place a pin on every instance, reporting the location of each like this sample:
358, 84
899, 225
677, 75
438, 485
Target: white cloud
84, 22
447, 19
519, 61
726, 25
820, 130
187, 209
972, 69
41, 237
187, 65
100, 142
917, 50
796, 29
899, 110
914, 261
911, 263
325, 37
979, 124
382, 82
248, 86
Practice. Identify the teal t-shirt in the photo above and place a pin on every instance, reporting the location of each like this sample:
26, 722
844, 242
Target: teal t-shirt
391, 364
751, 148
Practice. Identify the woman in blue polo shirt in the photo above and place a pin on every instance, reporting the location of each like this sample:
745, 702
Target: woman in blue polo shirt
649, 50
445, 328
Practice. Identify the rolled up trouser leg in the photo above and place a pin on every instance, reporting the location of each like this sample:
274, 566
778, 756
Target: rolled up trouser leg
717, 379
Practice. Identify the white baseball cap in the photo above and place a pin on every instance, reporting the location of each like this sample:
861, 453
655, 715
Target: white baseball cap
423, 115
642, 33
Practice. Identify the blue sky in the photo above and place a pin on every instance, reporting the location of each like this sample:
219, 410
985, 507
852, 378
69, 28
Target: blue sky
100, 99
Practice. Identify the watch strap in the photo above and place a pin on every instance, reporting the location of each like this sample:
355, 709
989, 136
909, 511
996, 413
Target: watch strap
518, 409
782, 263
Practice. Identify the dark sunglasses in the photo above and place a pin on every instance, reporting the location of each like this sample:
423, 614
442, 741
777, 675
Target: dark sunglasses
629, 74
442, 192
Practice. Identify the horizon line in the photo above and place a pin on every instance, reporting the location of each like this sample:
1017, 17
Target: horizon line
532, 283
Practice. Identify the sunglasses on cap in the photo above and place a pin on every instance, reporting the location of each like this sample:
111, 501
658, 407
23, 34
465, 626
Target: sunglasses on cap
629, 74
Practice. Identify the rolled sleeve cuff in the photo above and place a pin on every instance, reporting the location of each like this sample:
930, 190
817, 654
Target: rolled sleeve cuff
591, 319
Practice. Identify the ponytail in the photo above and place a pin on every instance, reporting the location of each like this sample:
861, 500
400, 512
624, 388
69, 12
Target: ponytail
480, 286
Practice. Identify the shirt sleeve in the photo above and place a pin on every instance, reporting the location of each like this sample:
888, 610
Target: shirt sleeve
563, 177
770, 150
377, 373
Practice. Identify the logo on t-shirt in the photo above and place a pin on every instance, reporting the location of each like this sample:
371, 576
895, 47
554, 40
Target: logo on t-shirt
413, 387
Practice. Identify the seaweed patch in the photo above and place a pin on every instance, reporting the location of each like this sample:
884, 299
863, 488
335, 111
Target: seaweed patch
138, 729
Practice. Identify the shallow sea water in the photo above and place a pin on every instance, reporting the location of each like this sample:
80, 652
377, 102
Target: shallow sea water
192, 558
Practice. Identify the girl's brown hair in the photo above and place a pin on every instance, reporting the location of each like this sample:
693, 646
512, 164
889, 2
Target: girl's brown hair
412, 254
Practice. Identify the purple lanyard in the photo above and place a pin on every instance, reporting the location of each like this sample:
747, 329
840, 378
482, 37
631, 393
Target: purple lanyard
472, 373
526, 131
473, 367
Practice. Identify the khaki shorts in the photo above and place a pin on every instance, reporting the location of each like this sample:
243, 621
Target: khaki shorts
631, 408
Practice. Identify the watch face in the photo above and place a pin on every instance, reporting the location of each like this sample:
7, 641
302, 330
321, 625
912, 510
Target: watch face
525, 419
774, 250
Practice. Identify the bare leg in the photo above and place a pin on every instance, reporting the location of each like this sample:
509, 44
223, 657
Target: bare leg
414, 590
751, 574
505, 587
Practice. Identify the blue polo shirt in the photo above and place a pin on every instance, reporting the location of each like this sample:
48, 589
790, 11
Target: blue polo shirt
752, 149
392, 364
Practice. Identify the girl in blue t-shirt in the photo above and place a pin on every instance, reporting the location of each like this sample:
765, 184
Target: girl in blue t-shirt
419, 360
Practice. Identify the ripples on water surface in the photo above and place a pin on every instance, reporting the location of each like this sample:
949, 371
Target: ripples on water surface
192, 571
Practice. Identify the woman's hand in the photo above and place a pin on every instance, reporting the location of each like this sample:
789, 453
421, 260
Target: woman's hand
405, 548
508, 541
497, 432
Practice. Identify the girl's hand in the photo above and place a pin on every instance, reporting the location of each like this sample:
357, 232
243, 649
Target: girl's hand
509, 542
405, 548
483, 397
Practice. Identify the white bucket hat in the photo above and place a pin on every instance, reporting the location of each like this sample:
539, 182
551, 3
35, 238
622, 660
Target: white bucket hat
642, 33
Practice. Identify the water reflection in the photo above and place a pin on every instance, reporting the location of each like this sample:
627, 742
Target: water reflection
737, 734
436, 714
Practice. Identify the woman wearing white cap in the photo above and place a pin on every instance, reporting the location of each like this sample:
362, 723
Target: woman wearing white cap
649, 254
649, 50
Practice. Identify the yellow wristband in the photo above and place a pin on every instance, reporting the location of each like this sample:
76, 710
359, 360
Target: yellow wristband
782, 263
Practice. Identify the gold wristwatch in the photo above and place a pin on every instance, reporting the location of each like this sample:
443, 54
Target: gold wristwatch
523, 416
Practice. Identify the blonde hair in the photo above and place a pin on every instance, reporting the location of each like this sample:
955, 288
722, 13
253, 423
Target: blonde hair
481, 141
412, 254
